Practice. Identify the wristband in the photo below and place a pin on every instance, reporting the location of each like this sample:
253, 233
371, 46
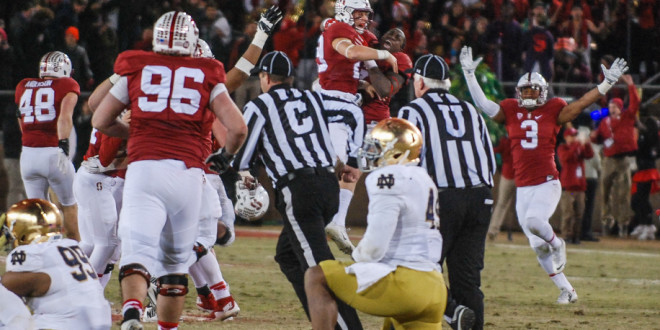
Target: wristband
604, 87
383, 54
64, 145
370, 64
244, 65
114, 78
260, 39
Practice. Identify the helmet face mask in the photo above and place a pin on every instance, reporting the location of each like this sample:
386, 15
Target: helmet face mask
251, 202
32, 221
536, 82
392, 141
55, 64
175, 33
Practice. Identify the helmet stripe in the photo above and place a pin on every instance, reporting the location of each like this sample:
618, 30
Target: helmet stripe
172, 24
46, 61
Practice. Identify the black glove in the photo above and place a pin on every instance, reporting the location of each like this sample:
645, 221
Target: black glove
269, 20
64, 145
220, 161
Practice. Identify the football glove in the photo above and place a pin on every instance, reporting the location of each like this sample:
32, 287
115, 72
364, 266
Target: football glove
269, 20
63, 161
467, 63
93, 165
618, 68
220, 161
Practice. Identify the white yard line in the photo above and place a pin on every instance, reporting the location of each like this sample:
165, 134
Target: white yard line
633, 281
590, 251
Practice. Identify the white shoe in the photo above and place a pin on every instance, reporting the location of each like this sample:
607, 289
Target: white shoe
648, 232
567, 297
559, 257
132, 325
149, 314
639, 229
339, 235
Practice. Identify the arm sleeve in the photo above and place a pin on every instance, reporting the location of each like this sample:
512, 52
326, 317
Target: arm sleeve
633, 101
381, 224
487, 106
109, 148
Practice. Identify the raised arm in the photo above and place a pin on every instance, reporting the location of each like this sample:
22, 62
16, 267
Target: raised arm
492, 109
612, 75
345, 47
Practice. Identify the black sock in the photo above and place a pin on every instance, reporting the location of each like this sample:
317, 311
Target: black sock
204, 291
131, 314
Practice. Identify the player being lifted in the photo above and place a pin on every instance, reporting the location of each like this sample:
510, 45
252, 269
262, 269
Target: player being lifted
533, 122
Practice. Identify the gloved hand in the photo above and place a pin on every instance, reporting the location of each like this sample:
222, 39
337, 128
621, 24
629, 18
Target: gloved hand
467, 63
618, 68
269, 20
220, 161
63, 161
93, 165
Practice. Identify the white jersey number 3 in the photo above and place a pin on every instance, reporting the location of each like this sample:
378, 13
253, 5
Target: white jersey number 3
168, 87
531, 129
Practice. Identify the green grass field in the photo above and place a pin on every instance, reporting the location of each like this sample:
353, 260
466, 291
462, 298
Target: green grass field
617, 280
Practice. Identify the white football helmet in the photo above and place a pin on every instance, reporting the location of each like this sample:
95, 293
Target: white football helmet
55, 64
536, 81
175, 33
203, 49
344, 11
393, 141
251, 204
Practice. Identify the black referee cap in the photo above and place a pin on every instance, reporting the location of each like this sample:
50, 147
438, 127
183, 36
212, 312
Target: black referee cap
275, 62
431, 66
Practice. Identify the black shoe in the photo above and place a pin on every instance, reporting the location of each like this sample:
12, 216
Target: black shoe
590, 239
463, 319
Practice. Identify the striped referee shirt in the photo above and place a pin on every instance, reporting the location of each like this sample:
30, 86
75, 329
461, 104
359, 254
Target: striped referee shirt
457, 150
287, 131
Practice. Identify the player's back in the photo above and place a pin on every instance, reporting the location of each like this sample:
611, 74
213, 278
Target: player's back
336, 72
75, 297
414, 244
533, 136
39, 103
169, 96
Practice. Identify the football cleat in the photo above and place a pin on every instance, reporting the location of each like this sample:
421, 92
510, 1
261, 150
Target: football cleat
207, 303
463, 318
567, 297
228, 308
150, 314
339, 235
559, 257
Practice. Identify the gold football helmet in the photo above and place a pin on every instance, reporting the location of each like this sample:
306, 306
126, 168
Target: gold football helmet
392, 141
32, 220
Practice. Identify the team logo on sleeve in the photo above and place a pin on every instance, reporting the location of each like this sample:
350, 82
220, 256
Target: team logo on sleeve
385, 181
18, 257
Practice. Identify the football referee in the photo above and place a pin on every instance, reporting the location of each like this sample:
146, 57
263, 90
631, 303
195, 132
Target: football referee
289, 134
458, 155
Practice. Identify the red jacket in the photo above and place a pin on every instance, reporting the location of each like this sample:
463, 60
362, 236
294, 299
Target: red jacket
571, 158
504, 149
621, 130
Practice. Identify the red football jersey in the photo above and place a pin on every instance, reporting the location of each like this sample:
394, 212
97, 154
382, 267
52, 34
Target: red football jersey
169, 97
336, 72
533, 136
107, 148
39, 101
377, 110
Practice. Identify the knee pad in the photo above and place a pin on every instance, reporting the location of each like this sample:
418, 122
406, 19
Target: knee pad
174, 279
200, 250
134, 269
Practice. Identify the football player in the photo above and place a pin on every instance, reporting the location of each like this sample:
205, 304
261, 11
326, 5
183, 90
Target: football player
169, 92
397, 259
532, 122
342, 46
98, 188
46, 109
51, 272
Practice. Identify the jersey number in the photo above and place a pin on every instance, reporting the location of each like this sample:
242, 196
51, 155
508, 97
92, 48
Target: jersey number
432, 210
43, 109
74, 257
164, 88
531, 129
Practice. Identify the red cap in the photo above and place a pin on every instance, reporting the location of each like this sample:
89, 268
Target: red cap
618, 102
570, 131
72, 30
